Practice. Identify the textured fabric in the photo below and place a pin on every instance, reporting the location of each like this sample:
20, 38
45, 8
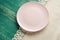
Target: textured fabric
19, 35
8, 24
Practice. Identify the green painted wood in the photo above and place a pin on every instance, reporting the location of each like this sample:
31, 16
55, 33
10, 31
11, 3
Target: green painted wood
8, 23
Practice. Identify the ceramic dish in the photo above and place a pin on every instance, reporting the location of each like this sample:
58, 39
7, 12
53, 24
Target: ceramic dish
32, 16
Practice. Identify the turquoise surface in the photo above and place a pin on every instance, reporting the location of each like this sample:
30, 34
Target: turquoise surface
8, 23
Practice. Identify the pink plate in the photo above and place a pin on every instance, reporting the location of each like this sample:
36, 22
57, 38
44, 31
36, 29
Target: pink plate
32, 16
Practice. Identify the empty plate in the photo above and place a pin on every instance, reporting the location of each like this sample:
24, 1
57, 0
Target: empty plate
32, 16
